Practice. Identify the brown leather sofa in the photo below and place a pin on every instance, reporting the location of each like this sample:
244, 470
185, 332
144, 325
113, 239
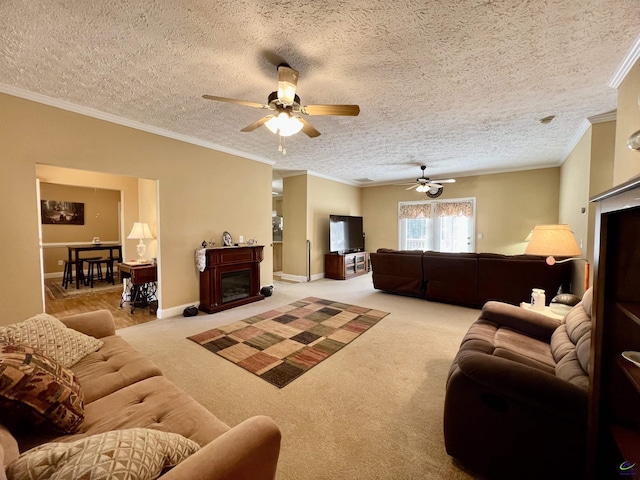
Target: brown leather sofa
468, 279
516, 395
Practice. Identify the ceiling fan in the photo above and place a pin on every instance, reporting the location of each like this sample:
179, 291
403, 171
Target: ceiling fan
433, 188
286, 107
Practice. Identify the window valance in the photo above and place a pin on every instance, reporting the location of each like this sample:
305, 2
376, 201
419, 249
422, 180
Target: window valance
416, 210
454, 209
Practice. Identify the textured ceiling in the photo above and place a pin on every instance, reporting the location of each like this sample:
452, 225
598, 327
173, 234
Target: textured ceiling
456, 85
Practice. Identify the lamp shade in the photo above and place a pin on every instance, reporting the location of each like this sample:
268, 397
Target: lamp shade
555, 240
140, 230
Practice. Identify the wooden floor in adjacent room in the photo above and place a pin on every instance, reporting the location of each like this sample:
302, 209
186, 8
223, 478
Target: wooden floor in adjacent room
97, 301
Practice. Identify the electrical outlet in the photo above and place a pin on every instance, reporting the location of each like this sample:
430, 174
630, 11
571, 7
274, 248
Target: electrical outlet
60, 262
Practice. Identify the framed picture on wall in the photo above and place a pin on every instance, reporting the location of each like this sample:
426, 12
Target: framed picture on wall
61, 213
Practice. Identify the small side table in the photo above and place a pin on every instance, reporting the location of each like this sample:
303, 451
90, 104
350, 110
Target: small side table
547, 311
140, 285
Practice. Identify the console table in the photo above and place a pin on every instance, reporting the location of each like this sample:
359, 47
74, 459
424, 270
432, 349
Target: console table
140, 285
231, 277
344, 266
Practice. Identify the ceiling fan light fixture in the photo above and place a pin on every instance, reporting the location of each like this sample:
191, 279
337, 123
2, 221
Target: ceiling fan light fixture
422, 188
284, 125
287, 81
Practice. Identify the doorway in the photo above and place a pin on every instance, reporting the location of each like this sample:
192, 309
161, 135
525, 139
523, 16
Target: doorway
113, 204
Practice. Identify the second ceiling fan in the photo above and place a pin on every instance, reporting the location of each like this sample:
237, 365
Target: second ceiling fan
433, 188
285, 104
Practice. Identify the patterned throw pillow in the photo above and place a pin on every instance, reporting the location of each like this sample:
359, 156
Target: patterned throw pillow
48, 334
135, 453
36, 389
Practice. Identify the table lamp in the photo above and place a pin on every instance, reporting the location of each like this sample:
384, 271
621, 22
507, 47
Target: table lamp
141, 231
556, 241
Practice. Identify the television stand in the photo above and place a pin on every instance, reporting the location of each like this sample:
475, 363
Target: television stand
342, 266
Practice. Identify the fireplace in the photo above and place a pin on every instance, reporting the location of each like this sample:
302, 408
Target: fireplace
231, 278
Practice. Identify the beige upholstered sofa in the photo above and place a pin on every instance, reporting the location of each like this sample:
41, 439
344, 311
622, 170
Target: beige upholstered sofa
516, 399
123, 393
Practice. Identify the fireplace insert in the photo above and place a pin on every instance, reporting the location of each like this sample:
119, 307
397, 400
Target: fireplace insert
235, 285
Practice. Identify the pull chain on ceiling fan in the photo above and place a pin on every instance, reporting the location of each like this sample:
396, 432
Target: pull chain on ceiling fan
286, 119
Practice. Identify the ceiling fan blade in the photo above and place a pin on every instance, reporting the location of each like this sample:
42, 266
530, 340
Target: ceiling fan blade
287, 82
434, 186
256, 124
448, 180
308, 129
412, 186
347, 110
238, 102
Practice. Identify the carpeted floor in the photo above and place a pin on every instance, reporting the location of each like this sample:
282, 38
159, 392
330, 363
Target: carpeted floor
372, 411
281, 344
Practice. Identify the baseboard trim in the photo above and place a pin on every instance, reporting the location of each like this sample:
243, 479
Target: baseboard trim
54, 275
174, 311
301, 278
293, 278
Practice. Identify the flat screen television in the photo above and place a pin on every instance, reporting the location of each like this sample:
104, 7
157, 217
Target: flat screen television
345, 234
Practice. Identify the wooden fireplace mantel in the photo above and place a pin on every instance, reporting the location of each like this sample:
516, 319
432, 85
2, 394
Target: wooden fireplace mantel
227, 260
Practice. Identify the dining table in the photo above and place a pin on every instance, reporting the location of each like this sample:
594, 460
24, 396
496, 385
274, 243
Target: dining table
75, 250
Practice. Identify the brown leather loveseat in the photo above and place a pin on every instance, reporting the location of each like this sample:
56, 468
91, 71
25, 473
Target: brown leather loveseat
468, 279
516, 395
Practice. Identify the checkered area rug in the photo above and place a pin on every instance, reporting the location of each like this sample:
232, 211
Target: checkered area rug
282, 344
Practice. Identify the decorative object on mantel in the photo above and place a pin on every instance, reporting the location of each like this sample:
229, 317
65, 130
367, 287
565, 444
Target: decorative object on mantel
204, 244
201, 258
227, 241
140, 231
282, 344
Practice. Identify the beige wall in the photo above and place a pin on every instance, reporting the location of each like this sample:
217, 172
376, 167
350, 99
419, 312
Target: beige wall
508, 206
147, 213
574, 190
627, 161
101, 211
307, 202
601, 178
201, 193
587, 171
294, 232
326, 197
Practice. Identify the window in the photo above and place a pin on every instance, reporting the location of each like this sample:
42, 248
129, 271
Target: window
439, 225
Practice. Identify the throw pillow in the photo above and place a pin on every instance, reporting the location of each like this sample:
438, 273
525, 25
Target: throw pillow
36, 389
52, 337
135, 453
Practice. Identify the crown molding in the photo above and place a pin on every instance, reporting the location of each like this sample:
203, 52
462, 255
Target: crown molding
627, 63
108, 117
611, 116
295, 173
